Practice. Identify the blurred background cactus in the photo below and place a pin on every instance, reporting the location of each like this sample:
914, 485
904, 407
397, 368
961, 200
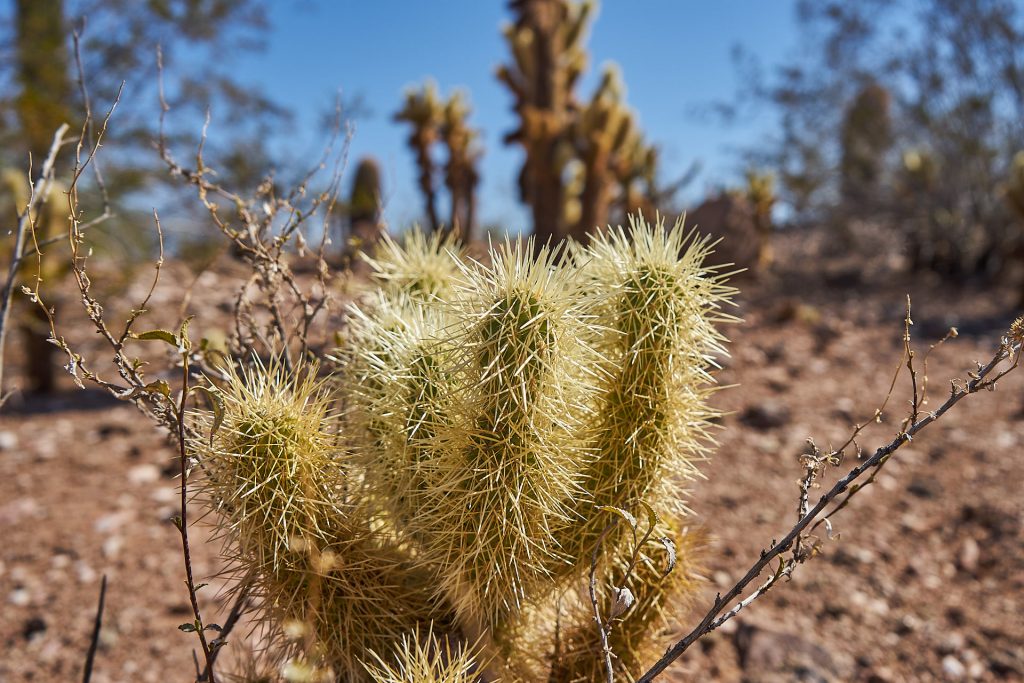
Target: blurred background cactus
363, 209
502, 434
582, 158
434, 121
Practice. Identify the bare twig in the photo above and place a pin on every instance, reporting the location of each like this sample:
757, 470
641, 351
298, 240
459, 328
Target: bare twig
94, 642
606, 650
182, 521
238, 608
985, 378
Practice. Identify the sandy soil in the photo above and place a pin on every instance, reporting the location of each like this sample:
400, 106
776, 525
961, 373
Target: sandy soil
923, 581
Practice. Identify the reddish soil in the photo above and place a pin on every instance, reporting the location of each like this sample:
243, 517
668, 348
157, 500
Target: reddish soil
923, 580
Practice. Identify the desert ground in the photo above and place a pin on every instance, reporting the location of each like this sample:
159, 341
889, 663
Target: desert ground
922, 579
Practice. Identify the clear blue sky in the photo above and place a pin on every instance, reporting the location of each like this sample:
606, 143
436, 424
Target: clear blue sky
674, 54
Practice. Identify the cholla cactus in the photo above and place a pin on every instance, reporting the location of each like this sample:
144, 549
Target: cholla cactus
424, 111
494, 415
424, 660
330, 587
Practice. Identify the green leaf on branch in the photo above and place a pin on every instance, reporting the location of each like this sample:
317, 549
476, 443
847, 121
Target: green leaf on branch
157, 335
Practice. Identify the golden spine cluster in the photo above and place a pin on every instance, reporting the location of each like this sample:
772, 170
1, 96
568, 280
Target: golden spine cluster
492, 413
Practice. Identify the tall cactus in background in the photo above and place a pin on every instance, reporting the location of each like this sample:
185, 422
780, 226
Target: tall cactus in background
423, 111
498, 418
548, 57
364, 206
865, 138
460, 174
581, 156
760, 194
606, 137
434, 121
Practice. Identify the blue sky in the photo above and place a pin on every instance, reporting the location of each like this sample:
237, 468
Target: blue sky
674, 55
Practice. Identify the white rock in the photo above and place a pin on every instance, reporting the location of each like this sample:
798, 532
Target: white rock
953, 668
19, 597
144, 474
8, 441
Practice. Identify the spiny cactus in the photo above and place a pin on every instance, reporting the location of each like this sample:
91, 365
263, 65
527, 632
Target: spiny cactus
581, 156
364, 206
660, 592
423, 111
433, 121
760, 193
423, 266
656, 308
274, 473
460, 174
424, 660
493, 414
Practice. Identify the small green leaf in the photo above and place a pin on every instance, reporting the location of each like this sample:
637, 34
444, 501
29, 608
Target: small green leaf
213, 627
217, 403
187, 628
184, 345
158, 387
197, 590
621, 512
176, 519
652, 517
157, 335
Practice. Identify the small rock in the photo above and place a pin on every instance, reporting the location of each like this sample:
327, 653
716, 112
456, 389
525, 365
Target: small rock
86, 574
767, 415
144, 474
108, 430
967, 558
1006, 663
113, 521
112, 546
19, 597
925, 487
764, 652
956, 616
8, 441
953, 669
33, 628
879, 675
954, 642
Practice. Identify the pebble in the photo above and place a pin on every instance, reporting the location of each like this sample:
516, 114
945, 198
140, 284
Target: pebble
954, 642
33, 628
86, 574
112, 546
8, 441
113, 521
144, 474
19, 597
953, 669
967, 559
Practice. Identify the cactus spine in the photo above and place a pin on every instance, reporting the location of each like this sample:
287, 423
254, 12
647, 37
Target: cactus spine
490, 410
